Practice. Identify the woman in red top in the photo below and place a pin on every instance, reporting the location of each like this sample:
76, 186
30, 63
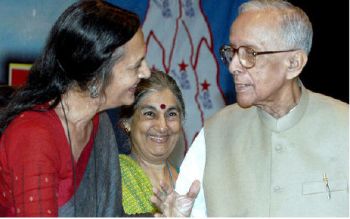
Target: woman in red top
57, 151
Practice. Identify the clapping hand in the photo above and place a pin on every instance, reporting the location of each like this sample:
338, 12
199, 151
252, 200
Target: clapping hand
171, 204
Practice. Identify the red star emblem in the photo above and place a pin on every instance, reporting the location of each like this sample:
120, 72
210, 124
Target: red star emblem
183, 66
205, 85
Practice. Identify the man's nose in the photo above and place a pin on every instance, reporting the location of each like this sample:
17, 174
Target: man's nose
235, 66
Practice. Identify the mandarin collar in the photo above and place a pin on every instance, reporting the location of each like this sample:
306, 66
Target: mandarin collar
291, 118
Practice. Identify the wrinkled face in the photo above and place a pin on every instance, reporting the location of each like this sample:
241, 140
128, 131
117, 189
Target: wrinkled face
127, 72
156, 126
263, 84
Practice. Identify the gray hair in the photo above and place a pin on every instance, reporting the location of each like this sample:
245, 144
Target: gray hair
296, 28
158, 81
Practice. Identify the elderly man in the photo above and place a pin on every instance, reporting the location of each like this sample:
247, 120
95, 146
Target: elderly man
282, 150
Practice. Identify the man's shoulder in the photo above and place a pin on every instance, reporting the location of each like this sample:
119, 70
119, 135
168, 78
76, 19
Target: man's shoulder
328, 104
231, 113
326, 99
326, 109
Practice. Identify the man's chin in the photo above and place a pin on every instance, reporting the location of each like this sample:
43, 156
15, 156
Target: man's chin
244, 103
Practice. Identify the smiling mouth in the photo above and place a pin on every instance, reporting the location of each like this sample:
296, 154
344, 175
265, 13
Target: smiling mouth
133, 88
159, 139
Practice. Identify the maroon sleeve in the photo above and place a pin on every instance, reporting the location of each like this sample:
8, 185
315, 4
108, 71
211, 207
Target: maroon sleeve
29, 163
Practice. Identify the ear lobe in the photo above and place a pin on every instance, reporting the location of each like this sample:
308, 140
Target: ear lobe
125, 125
296, 63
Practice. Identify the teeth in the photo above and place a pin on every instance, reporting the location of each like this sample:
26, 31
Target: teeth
159, 139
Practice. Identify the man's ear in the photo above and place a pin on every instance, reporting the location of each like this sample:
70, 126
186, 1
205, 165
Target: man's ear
295, 63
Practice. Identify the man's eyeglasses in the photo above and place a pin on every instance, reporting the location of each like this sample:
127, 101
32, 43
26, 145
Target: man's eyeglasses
246, 55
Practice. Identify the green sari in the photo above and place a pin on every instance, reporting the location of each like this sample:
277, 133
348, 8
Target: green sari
136, 187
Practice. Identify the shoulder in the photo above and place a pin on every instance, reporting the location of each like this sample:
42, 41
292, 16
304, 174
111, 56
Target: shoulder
31, 130
32, 122
129, 166
34, 118
327, 100
126, 161
229, 114
33, 135
328, 106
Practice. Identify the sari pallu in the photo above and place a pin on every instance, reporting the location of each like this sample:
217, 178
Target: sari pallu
99, 192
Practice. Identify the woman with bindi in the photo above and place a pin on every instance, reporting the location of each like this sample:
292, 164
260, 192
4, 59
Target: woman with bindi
154, 124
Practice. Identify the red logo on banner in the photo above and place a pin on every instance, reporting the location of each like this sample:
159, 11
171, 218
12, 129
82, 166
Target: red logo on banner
18, 74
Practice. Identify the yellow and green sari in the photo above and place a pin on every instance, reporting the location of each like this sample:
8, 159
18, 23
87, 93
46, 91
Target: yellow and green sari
136, 187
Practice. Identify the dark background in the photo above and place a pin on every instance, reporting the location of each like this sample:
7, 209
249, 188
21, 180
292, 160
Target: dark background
327, 70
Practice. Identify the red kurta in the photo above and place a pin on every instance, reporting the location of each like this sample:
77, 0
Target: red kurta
36, 174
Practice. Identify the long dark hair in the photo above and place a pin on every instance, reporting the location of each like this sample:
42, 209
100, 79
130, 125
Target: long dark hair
83, 45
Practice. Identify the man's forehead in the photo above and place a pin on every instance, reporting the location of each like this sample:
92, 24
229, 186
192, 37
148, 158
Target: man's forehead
254, 27
266, 18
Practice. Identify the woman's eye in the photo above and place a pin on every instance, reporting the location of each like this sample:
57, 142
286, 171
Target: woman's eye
137, 67
173, 114
148, 114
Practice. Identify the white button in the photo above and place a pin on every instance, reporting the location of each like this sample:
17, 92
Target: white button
278, 148
276, 188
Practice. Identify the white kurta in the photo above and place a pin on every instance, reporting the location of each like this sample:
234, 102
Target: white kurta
255, 165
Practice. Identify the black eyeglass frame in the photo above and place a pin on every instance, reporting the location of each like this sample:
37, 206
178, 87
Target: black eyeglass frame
254, 53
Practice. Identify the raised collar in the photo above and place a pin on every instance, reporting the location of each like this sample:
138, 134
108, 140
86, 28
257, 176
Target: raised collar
290, 119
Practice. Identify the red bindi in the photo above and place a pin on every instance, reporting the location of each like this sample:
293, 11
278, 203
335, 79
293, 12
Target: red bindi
162, 106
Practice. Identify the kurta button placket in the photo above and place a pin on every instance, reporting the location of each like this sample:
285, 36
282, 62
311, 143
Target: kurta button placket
279, 148
276, 188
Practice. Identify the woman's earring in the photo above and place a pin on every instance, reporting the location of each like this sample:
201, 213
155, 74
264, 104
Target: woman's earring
124, 126
93, 91
127, 130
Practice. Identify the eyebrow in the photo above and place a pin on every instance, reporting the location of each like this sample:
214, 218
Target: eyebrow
173, 108
145, 107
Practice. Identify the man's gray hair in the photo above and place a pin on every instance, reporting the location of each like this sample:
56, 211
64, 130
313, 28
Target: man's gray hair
296, 28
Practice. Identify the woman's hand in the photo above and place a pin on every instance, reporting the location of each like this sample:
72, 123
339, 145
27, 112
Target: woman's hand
171, 204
